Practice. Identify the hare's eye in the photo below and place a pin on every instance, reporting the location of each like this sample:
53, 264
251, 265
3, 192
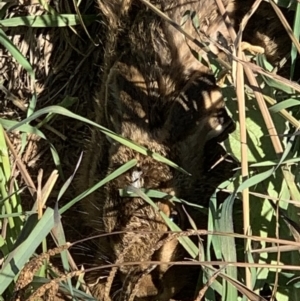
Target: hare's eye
175, 217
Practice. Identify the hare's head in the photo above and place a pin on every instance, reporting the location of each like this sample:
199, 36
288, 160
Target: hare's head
198, 110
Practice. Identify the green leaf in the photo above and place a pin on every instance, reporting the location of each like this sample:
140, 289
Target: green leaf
262, 61
38, 281
110, 177
291, 102
15, 52
56, 20
109, 133
258, 141
296, 30
228, 247
158, 195
275, 162
185, 241
26, 128
69, 181
59, 234
258, 178
22, 253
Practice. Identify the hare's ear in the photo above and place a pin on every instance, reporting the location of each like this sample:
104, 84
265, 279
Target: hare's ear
113, 106
114, 10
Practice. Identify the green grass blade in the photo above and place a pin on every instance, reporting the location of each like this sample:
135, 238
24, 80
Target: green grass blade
58, 232
15, 52
291, 4
159, 195
56, 20
185, 241
291, 102
17, 192
258, 178
213, 240
110, 177
296, 30
17, 214
109, 133
275, 162
228, 247
286, 151
66, 103
26, 128
262, 61
11, 201
69, 181
38, 281
19, 256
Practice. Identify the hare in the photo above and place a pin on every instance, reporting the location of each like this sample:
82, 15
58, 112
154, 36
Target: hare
168, 128
157, 94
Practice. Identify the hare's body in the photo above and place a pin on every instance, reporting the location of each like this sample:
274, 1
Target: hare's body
157, 94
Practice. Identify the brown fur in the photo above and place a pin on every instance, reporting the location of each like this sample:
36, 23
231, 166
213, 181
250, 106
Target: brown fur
155, 93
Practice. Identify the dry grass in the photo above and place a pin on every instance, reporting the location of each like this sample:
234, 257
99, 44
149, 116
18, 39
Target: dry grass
60, 64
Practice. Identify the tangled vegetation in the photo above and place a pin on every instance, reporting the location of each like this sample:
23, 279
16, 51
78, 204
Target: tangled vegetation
51, 57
